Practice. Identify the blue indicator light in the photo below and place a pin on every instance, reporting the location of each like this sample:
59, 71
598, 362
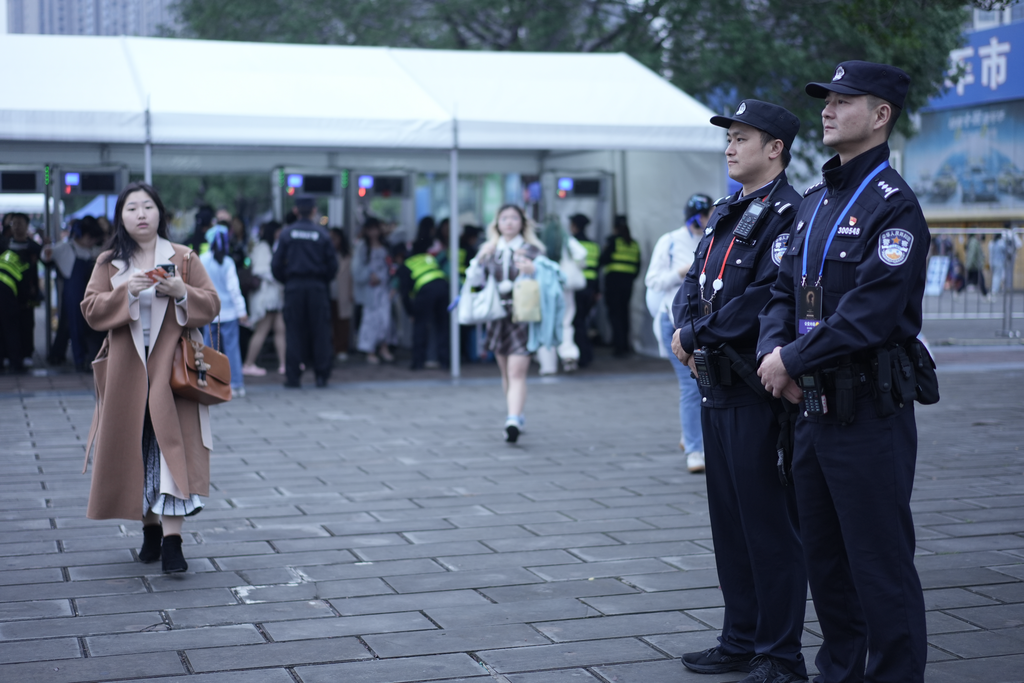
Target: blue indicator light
366, 181
294, 180
72, 179
565, 184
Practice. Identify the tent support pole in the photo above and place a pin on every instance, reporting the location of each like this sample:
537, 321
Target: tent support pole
147, 151
453, 252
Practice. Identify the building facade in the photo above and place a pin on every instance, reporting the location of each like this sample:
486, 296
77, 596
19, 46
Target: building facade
91, 17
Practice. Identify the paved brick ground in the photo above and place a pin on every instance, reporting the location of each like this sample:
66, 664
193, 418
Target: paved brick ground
381, 532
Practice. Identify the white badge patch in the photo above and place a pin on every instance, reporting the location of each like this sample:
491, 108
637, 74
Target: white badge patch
840, 72
779, 248
743, 108
894, 247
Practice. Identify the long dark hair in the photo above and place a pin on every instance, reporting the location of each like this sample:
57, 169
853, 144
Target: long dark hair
267, 231
121, 244
343, 247
221, 242
371, 223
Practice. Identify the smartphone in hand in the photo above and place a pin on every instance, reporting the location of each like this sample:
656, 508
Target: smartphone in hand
162, 271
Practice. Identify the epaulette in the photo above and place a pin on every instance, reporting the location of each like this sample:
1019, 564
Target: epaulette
780, 207
723, 200
885, 189
814, 187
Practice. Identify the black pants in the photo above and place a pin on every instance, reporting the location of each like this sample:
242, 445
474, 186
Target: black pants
307, 320
581, 330
756, 536
430, 310
977, 277
618, 291
853, 486
13, 321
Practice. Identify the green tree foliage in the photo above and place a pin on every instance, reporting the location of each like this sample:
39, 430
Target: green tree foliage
719, 51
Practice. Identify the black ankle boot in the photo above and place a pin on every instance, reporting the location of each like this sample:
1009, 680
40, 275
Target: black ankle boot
152, 535
173, 560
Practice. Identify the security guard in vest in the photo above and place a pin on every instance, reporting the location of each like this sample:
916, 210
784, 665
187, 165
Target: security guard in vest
621, 261
753, 512
424, 288
306, 262
586, 297
839, 336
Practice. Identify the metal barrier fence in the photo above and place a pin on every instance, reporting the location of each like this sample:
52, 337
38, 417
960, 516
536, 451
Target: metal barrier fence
958, 289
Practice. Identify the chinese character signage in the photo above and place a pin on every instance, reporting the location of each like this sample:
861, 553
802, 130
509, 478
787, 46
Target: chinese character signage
991, 67
969, 161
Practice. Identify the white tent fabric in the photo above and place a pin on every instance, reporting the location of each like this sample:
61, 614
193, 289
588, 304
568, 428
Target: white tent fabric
97, 90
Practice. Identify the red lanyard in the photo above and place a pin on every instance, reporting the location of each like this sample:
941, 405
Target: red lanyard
719, 282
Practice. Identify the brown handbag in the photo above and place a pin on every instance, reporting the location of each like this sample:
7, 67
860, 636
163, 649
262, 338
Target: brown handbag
200, 373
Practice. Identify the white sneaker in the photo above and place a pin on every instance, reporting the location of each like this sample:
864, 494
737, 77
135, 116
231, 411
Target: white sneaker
695, 461
238, 393
513, 428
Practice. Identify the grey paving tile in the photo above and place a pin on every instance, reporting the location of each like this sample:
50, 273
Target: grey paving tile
560, 589
587, 570
39, 650
955, 578
531, 542
359, 570
565, 655
561, 676
404, 670
1005, 669
170, 600
509, 613
267, 655
657, 602
671, 671
36, 609
347, 626
697, 578
618, 626
407, 602
255, 613
17, 577
981, 643
488, 534
990, 617
80, 626
409, 550
457, 580
156, 641
454, 640
530, 558
949, 598
1006, 592
247, 562
252, 676
94, 669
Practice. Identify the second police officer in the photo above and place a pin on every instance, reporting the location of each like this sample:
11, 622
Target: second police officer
840, 333
306, 262
753, 513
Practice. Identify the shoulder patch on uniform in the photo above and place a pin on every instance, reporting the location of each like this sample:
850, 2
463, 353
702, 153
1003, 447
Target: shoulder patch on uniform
894, 246
723, 200
782, 209
779, 247
814, 187
886, 189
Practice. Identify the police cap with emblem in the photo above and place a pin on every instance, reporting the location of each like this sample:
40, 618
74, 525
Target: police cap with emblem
771, 118
865, 78
305, 204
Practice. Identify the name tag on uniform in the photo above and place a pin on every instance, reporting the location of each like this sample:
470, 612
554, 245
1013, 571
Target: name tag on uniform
808, 308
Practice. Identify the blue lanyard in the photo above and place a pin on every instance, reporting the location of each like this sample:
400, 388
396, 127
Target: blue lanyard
835, 228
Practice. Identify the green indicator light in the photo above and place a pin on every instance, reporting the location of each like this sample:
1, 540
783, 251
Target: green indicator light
46, 175
344, 179
280, 177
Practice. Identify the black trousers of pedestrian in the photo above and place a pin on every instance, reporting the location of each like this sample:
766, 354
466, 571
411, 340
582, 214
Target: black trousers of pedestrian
12, 328
307, 320
430, 311
757, 542
618, 291
977, 277
853, 486
585, 299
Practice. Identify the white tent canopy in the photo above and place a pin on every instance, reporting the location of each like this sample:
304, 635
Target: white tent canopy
76, 89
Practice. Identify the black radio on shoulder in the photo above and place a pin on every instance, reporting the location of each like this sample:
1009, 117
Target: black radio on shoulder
752, 217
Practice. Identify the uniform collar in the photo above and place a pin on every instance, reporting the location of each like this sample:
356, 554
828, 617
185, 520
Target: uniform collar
842, 177
739, 200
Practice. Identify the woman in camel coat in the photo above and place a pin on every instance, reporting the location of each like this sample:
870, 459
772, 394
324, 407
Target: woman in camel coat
150, 448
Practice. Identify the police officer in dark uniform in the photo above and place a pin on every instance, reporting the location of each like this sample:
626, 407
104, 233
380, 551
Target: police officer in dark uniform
620, 260
306, 262
753, 513
842, 323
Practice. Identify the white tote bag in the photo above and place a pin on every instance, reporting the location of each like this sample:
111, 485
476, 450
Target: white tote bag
480, 307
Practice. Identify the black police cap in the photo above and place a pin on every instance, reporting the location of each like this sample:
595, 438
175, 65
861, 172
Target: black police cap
777, 121
865, 78
305, 203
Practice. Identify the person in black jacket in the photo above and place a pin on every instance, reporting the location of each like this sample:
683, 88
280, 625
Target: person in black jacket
753, 513
845, 311
306, 262
424, 288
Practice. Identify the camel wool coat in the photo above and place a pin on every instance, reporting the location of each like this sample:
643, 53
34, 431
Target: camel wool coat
125, 381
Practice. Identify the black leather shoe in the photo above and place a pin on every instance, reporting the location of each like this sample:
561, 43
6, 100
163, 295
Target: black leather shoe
173, 561
768, 670
714, 661
152, 536
321, 382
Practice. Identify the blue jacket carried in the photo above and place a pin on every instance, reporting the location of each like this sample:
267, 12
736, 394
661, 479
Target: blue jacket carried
548, 332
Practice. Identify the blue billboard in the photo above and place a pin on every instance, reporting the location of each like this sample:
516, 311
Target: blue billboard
969, 159
991, 66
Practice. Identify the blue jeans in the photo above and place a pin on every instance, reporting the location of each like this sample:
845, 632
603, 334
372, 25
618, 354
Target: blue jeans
228, 346
689, 395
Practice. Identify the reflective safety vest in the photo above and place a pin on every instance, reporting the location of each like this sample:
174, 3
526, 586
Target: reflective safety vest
12, 270
625, 258
423, 268
593, 255
463, 263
